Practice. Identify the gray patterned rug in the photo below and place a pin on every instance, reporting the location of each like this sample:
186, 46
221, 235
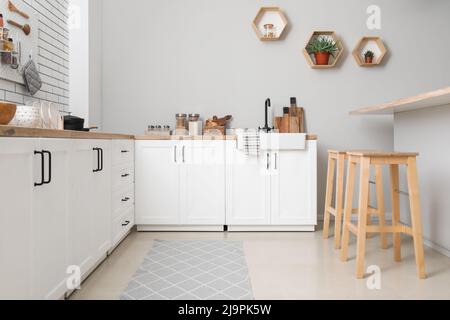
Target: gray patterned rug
192, 270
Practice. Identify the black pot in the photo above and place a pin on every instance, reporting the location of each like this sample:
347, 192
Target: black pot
73, 123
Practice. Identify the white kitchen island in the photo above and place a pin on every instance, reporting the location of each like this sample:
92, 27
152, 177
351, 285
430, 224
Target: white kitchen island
201, 184
422, 124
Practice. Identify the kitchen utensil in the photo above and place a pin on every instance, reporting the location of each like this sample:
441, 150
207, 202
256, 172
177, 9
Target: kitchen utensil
26, 28
13, 8
28, 116
285, 121
53, 116
4, 34
73, 123
45, 115
7, 112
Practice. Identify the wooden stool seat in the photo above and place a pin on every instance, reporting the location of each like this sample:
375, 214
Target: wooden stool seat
365, 160
336, 162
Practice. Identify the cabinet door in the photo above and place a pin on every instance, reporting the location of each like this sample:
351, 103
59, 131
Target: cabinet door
293, 187
50, 216
203, 183
17, 163
247, 188
100, 203
158, 182
83, 161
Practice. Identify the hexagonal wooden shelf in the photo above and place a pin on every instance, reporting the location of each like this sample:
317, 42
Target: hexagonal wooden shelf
333, 60
374, 44
270, 15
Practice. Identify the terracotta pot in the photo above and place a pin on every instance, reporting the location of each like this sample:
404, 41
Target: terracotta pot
369, 60
7, 112
322, 58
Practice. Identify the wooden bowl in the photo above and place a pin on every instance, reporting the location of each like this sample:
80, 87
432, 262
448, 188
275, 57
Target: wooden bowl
7, 112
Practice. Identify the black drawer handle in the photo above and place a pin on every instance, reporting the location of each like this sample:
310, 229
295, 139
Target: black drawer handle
126, 223
125, 151
125, 175
125, 199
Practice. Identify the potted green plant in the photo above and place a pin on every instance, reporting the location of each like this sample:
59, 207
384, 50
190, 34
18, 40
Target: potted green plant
322, 47
368, 56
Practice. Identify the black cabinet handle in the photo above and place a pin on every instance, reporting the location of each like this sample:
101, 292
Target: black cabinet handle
124, 151
125, 175
98, 160
49, 166
36, 184
126, 223
125, 199
101, 160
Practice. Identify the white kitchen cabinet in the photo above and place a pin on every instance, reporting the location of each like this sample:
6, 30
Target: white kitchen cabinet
248, 188
101, 201
203, 183
34, 192
17, 161
273, 192
180, 185
89, 203
293, 187
122, 190
49, 221
157, 183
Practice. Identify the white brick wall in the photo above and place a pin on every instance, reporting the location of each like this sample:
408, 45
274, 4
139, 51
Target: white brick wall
52, 58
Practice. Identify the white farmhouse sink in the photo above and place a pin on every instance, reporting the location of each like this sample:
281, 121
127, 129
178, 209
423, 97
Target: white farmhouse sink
283, 141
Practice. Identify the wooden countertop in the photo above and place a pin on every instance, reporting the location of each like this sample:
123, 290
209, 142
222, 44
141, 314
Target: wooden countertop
309, 137
427, 100
19, 132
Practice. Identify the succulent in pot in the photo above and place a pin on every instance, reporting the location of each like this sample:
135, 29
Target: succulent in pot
322, 47
369, 56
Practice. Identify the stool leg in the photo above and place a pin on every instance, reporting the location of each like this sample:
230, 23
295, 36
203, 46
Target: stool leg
339, 201
380, 205
414, 198
350, 189
362, 217
329, 196
395, 186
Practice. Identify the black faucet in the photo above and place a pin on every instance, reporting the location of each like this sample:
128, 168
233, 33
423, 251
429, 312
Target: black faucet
266, 125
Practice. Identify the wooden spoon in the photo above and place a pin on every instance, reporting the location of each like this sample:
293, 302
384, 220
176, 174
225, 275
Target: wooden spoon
25, 28
13, 8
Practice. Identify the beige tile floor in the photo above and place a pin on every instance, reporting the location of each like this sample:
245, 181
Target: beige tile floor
288, 266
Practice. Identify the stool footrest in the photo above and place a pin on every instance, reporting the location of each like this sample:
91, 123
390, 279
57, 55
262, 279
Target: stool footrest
390, 229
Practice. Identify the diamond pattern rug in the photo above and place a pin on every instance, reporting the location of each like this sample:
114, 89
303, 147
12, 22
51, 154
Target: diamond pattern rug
192, 270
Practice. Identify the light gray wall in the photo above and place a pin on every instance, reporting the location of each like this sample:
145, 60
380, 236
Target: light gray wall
428, 131
170, 56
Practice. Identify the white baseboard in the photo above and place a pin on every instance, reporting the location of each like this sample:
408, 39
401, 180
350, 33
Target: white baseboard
166, 228
271, 228
436, 247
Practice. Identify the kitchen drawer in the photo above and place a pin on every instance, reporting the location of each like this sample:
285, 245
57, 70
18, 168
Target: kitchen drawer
122, 200
122, 176
122, 225
123, 152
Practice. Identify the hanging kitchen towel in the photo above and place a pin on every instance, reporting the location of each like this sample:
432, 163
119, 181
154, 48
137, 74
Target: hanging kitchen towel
32, 78
252, 142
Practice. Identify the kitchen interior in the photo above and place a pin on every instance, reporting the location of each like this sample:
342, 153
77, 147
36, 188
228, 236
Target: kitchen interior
220, 150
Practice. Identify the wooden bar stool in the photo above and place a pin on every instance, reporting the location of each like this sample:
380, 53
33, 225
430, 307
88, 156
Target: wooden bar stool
336, 162
394, 160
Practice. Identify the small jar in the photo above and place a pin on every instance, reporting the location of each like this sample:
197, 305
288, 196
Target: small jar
181, 121
9, 45
269, 31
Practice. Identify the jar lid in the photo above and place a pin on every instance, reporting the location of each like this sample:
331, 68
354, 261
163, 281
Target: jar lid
269, 25
194, 115
181, 115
